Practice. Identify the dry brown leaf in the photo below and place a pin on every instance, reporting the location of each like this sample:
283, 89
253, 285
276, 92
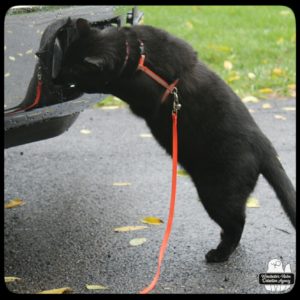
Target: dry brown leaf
63, 290
129, 228
8, 279
152, 220
137, 241
14, 203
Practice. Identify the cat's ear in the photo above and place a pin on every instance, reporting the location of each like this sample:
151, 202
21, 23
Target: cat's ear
96, 61
83, 26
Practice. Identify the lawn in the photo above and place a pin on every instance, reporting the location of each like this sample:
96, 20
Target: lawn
253, 48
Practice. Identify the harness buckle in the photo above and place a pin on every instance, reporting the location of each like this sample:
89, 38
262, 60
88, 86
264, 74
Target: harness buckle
176, 104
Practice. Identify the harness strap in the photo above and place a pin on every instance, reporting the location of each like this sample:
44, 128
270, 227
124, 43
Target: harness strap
169, 87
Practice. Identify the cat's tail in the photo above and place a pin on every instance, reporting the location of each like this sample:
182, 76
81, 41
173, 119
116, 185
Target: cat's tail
273, 171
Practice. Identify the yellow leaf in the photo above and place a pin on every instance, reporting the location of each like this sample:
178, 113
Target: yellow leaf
121, 183
251, 75
252, 202
85, 131
228, 65
14, 203
189, 25
152, 220
292, 86
146, 135
95, 287
8, 279
137, 241
110, 107
279, 117
277, 72
266, 91
289, 108
63, 290
266, 106
233, 78
129, 228
220, 48
248, 99
182, 172
251, 110
280, 41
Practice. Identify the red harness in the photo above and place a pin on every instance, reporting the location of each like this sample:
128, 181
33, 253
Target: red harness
169, 87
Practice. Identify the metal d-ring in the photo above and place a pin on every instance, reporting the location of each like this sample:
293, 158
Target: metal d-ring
176, 104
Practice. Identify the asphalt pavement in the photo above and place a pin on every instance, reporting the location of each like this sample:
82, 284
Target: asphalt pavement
64, 233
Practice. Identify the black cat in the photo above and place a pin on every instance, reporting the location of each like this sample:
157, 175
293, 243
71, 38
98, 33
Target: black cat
220, 145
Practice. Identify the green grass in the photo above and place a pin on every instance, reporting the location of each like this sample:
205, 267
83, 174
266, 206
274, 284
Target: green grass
255, 39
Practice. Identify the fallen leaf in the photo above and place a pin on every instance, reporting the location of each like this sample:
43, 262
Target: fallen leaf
189, 25
8, 279
14, 203
63, 290
251, 75
182, 172
146, 135
277, 72
266, 90
121, 183
279, 117
289, 108
292, 86
110, 107
20, 54
5, 48
280, 41
285, 12
12, 58
266, 106
252, 202
228, 65
220, 48
29, 51
251, 110
95, 287
7, 75
85, 131
233, 78
137, 241
129, 228
152, 220
250, 99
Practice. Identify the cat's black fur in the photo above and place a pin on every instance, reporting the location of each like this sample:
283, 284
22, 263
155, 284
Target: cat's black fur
220, 145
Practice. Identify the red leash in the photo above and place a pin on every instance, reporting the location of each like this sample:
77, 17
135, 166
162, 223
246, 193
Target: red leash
170, 89
164, 243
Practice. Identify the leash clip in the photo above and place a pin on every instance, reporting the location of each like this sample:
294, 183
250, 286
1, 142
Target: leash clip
176, 104
39, 73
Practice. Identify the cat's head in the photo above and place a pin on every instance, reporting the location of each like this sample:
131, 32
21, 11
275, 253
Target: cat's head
90, 61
